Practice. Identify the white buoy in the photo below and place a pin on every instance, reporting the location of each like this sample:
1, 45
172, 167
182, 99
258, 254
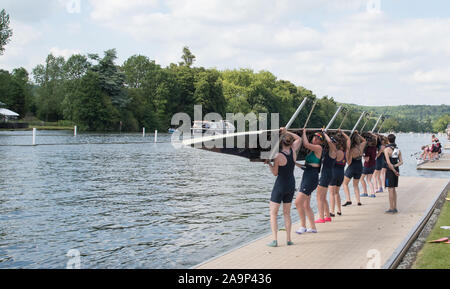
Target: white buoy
156, 136
143, 132
34, 136
75, 131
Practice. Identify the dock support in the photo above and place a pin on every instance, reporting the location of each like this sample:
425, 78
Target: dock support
143, 132
75, 131
156, 136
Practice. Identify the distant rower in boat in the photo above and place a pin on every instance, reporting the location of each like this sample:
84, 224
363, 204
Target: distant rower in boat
354, 170
284, 188
310, 181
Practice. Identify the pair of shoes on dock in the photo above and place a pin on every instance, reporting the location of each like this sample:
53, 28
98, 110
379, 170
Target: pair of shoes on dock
322, 221
394, 211
303, 230
274, 244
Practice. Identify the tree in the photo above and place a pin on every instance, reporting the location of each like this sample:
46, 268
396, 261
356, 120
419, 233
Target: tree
441, 124
94, 110
188, 57
5, 31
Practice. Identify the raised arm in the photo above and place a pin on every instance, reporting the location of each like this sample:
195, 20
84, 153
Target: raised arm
297, 139
310, 146
330, 142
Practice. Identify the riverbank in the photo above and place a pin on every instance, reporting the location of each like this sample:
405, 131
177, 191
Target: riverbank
436, 255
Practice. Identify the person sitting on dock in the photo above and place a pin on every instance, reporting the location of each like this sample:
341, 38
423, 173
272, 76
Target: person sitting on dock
394, 160
284, 188
355, 147
310, 181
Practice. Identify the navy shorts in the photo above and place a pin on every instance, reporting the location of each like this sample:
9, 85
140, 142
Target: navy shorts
338, 176
354, 171
380, 162
326, 175
283, 191
310, 180
368, 171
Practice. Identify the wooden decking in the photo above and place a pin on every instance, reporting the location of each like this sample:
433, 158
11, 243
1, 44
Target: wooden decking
363, 237
443, 164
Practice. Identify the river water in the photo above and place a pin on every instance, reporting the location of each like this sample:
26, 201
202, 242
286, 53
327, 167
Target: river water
123, 201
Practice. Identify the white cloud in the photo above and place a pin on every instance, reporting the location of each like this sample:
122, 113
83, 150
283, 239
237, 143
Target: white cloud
66, 53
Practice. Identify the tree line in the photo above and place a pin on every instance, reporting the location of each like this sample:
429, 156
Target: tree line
96, 94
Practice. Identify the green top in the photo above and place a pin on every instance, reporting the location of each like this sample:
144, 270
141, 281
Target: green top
312, 159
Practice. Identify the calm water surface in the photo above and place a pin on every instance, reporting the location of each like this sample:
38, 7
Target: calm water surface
134, 205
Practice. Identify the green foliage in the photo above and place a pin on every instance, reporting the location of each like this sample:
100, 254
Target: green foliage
440, 125
95, 93
5, 31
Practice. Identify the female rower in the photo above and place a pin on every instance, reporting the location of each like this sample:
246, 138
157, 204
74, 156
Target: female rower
338, 174
354, 169
326, 174
379, 181
284, 188
310, 181
370, 156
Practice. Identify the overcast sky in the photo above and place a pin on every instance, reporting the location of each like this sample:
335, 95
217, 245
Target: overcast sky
372, 52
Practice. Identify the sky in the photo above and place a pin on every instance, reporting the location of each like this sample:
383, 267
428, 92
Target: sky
368, 52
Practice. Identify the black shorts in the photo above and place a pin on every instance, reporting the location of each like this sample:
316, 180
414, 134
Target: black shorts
354, 171
435, 150
380, 163
391, 179
338, 176
310, 180
326, 175
368, 171
283, 191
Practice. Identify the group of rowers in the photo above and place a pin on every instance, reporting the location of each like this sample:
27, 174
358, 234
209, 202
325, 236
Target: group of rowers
325, 170
431, 152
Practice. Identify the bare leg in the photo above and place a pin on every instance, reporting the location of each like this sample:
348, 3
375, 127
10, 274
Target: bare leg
346, 189
364, 185
299, 205
356, 190
371, 185
326, 207
332, 199
273, 219
338, 198
309, 212
320, 201
383, 178
287, 220
391, 199
377, 178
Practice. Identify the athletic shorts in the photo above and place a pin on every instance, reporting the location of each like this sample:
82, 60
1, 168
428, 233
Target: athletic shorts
391, 179
435, 149
310, 180
338, 176
380, 162
354, 171
283, 191
325, 177
368, 171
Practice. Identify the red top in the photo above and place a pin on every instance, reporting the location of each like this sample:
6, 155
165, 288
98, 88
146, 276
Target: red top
371, 152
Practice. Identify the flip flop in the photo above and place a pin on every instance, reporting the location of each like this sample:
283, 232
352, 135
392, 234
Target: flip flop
446, 240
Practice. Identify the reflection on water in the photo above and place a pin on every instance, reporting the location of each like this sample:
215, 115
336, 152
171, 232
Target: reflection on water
139, 205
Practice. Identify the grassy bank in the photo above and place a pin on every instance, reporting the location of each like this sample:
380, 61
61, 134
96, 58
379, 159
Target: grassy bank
436, 256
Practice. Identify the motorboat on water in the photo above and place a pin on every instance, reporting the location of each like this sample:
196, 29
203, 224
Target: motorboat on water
213, 127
